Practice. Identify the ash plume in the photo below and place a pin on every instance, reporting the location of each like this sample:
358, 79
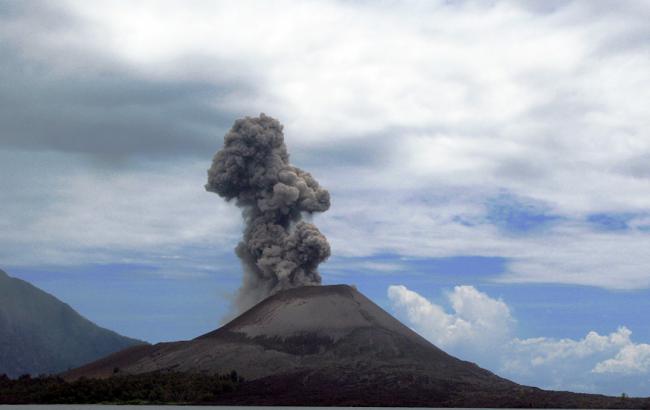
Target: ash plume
278, 250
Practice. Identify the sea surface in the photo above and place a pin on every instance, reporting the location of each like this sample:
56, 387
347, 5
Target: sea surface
126, 407
120, 407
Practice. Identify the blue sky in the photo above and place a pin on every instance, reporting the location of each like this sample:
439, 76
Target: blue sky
488, 162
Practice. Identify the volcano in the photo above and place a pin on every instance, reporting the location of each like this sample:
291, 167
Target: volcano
330, 345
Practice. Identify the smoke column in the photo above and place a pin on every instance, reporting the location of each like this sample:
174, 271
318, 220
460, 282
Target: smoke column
278, 250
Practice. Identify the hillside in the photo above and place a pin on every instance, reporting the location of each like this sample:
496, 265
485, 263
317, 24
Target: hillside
41, 334
330, 345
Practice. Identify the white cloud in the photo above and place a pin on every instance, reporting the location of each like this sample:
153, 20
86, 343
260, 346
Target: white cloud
481, 329
467, 89
151, 215
632, 358
546, 103
477, 322
451, 221
533, 354
596, 363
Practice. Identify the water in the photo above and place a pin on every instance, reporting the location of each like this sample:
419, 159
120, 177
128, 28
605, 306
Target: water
126, 407
120, 407
139, 407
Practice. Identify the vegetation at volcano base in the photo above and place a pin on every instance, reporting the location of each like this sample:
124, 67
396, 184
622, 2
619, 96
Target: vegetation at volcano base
148, 388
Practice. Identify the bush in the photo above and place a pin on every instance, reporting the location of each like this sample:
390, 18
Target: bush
153, 388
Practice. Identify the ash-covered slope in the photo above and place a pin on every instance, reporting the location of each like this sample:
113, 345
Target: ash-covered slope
320, 335
331, 345
307, 328
41, 334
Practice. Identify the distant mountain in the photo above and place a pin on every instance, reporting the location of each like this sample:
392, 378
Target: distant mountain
40, 334
330, 345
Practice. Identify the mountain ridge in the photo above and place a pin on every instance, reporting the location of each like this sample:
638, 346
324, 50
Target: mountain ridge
40, 334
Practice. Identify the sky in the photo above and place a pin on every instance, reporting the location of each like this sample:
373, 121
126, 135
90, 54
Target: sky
488, 164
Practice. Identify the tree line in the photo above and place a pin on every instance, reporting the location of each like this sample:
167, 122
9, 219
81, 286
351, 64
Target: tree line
154, 388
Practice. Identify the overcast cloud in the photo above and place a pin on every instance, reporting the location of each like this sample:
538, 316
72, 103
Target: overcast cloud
438, 108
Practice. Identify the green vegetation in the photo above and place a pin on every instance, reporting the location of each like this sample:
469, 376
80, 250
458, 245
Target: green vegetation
154, 388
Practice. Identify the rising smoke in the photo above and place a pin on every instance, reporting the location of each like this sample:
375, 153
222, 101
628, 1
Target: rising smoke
279, 250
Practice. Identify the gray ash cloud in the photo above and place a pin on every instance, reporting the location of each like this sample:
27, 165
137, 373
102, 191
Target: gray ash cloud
279, 250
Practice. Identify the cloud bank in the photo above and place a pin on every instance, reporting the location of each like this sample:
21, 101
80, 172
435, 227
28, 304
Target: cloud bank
481, 329
434, 109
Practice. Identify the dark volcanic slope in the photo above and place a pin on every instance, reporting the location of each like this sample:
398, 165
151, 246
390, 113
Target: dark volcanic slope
328, 338
41, 334
331, 345
304, 329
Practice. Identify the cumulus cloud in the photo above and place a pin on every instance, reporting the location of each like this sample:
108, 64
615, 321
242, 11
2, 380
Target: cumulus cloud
632, 358
609, 363
477, 322
481, 328
544, 351
557, 362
